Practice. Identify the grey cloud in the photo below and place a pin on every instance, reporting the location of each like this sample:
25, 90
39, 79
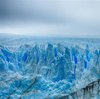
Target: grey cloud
31, 11
72, 17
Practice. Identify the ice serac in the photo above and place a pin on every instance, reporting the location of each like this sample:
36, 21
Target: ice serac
49, 70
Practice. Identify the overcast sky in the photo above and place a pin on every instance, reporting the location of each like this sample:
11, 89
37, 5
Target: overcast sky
50, 17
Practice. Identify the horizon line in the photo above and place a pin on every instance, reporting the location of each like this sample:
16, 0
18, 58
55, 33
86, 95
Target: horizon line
54, 36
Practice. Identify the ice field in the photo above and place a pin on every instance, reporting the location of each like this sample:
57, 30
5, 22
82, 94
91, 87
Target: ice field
49, 68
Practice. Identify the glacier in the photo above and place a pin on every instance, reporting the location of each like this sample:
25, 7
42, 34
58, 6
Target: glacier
49, 68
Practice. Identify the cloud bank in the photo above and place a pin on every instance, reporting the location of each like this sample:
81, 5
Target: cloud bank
50, 17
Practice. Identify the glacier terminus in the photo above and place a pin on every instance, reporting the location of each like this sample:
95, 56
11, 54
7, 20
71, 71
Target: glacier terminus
49, 68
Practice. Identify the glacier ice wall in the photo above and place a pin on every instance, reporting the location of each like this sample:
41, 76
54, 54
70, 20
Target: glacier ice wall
48, 69
91, 91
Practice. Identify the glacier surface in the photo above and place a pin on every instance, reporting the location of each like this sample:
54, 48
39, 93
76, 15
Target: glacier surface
48, 68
